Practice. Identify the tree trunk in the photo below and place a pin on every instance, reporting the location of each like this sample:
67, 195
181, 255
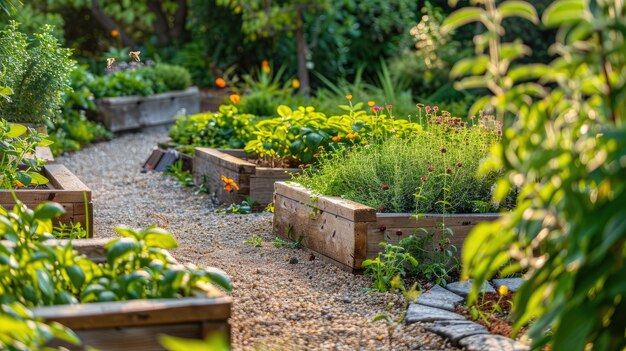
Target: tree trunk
180, 32
303, 72
160, 23
109, 24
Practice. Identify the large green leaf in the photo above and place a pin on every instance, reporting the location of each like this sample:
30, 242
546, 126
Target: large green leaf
48, 210
44, 282
518, 9
157, 237
219, 277
462, 17
121, 248
564, 11
77, 276
15, 130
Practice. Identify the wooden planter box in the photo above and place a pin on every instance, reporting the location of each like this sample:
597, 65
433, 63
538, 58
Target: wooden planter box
137, 324
64, 188
135, 112
254, 182
346, 232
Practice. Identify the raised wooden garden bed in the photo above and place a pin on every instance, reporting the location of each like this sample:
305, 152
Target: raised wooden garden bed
135, 112
346, 232
64, 188
254, 182
137, 324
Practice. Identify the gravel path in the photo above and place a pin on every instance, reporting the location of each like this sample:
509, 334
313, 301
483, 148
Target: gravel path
309, 305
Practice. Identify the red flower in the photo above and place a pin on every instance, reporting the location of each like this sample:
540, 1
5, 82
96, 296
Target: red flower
430, 169
424, 178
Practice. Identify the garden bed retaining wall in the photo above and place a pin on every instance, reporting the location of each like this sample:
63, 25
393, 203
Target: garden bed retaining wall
64, 188
347, 233
136, 112
253, 181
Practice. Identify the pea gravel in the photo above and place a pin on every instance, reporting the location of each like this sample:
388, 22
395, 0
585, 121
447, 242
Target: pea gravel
278, 305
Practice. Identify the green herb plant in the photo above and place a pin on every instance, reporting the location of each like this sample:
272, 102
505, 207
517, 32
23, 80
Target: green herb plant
35, 273
70, 231
19, 165
183, 178
391, 262
254, 240
37, 70
408, 296
245, 207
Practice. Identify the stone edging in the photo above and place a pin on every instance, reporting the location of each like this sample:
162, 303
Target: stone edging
436, 308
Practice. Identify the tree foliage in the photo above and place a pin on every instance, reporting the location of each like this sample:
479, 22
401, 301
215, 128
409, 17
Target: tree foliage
565, 150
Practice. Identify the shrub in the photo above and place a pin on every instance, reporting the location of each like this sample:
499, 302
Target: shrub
566, 150
140, 82
410, 174
37, 70
174, 77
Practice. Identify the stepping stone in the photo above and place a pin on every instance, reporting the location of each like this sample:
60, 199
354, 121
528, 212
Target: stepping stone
512, 283
463, 287
455, 330
491, 343
440, 298
421, 313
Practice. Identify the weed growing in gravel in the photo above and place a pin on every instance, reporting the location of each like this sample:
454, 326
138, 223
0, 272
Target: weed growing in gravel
245, 207
390, 264
297, 244
182, 178
254, 240
408, 296
70, 231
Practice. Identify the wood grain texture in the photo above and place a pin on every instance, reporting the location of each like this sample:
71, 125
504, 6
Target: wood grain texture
254, 182
336, 237
347, 209
347, 232
133, 338
64, 188
137, 312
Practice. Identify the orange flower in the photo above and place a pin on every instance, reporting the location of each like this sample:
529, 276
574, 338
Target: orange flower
371, 103
349, 97
235, 98
350, 136
295, 84
18, 184
336, 138
229, 184
265, 66
115, 33
220, 82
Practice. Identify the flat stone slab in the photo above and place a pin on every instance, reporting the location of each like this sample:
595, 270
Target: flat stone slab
488, 342
463, 287
455, 330
512, 283
440, 298
421, 313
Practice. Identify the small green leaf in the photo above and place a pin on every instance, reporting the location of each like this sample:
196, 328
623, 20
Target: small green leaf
284, 111
564, 11
77, 276
48, 210
158, 237
44, 282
